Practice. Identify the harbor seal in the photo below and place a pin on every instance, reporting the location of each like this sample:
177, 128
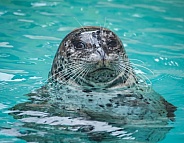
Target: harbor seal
94, 94
95, 58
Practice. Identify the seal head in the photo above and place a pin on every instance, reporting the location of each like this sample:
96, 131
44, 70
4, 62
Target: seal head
92, 56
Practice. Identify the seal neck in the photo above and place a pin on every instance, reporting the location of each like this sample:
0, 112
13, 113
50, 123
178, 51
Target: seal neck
122, 80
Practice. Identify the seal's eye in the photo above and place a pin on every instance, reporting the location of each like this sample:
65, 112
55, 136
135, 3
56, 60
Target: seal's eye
79, 45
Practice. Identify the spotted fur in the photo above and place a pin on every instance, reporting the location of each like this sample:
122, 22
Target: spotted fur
95, 57
92, 56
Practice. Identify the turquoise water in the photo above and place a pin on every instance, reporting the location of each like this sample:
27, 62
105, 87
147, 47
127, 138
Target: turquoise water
31, 31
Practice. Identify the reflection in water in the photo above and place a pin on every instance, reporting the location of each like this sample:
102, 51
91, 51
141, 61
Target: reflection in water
93, 115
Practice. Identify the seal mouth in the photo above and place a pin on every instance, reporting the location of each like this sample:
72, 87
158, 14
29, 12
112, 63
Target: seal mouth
102, 69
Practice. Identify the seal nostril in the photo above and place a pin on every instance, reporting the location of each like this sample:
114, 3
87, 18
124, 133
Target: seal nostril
102, 55
94, 45
101, 52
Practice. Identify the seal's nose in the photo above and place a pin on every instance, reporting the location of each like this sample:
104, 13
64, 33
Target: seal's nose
101, 53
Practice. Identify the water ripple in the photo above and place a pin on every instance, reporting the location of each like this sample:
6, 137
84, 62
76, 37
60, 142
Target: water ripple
41, 37
162, 30
9, 77
107, 4
19, 13
154, 8
65, 28
179, 19
5, 44
26, 20
42, 4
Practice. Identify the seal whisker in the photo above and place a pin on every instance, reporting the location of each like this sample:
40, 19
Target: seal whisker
65, 81
104, 23
142, 78
141, 75
51, 78
102, 28
79, 23
82, 74
72, 70
137, 60
65, 74
136, 65
128, 69
123, 69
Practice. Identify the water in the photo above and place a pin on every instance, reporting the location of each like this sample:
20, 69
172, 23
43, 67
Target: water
30, 31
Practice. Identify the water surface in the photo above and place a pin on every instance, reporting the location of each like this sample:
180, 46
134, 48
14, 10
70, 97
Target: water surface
31, 31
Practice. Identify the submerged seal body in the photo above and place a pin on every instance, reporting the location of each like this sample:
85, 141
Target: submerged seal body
94, 57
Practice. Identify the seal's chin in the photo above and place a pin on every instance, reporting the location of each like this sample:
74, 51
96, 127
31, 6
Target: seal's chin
100, 77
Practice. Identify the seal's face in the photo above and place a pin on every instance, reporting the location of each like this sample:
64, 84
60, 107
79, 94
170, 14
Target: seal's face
92, 56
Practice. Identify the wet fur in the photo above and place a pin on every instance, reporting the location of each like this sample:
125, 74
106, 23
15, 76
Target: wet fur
123, 101
75, 67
